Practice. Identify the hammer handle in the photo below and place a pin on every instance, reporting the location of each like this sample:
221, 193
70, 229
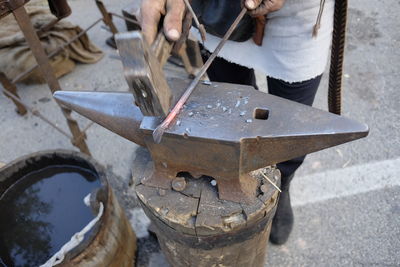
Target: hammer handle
162, 48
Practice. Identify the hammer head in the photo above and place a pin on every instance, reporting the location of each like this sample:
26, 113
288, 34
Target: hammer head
144, 74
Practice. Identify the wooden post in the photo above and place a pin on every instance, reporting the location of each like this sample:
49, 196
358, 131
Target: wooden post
196, 228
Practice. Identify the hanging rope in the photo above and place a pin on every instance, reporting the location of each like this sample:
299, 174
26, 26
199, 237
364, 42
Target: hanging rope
337, 56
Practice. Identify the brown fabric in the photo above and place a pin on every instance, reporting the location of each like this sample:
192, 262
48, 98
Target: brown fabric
16, 56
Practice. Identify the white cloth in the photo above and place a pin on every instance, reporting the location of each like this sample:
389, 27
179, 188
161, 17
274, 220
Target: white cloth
289, 52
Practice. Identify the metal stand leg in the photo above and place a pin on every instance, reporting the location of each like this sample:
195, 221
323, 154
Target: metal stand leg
12, 89
33, 41
107, 19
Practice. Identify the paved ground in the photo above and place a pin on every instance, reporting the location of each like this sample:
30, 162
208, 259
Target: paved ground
346, 198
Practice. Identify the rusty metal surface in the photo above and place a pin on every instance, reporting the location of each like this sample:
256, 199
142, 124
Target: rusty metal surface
8, 6
12, 89
224, 131
107, 17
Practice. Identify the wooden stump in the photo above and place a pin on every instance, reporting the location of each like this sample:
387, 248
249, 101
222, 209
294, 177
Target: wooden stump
196, 228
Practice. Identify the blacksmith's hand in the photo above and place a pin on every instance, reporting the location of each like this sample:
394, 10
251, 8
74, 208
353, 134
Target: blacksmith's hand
262, 7
150, 15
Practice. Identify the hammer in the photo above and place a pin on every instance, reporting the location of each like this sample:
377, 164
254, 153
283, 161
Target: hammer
143, 71
143, 65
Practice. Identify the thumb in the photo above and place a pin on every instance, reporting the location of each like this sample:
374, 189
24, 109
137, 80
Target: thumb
173, 19
252, 4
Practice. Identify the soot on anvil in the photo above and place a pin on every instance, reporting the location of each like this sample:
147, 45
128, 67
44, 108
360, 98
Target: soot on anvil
42, 211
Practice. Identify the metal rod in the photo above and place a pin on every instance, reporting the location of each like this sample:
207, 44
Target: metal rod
55, 52
107, 17
90, 124
48, 26
11, 88
125, 18
159, 131
36, 113
105, 27
266, 177
23, 20
83, 131
200, 26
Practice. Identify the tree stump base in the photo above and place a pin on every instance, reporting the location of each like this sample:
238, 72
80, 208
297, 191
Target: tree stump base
195, 228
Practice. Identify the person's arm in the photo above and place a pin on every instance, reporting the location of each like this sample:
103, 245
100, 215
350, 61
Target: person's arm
174, 10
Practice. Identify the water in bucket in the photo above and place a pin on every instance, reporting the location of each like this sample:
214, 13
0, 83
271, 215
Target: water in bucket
42, 211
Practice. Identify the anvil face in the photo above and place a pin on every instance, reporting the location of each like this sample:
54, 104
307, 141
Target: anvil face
225, 131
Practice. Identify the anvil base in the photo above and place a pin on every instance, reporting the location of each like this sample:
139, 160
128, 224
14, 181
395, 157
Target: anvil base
242, 189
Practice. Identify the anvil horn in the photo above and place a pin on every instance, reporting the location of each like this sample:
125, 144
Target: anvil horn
112, 110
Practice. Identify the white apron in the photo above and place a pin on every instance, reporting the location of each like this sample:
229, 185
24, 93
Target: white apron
289, 51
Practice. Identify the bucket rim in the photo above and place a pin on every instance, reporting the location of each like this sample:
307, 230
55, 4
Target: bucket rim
18, 168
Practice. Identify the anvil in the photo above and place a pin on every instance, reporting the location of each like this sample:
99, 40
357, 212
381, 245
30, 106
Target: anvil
225, 131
